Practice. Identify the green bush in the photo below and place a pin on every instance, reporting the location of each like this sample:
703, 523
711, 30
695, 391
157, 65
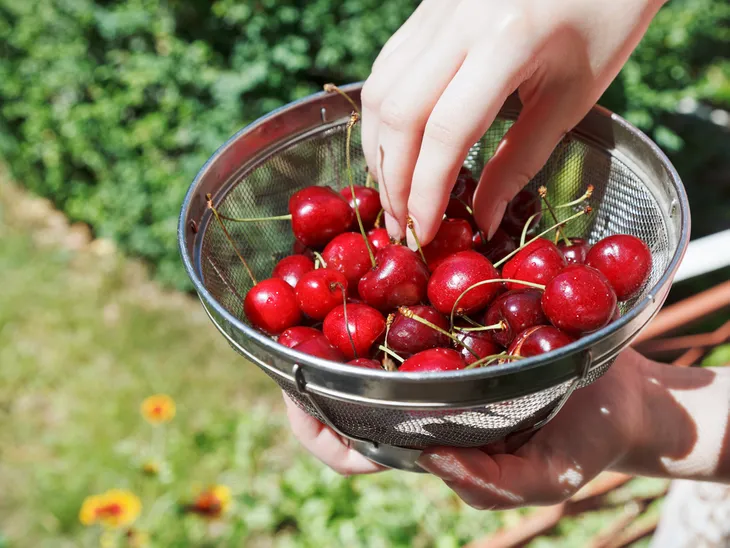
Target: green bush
109, 108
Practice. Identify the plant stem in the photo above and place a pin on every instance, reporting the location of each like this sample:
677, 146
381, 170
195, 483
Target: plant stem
494, 327
391, 353
408, 313
415, 237
486, 359
526, 228
369, 180
209, 203
352, 122
379, 218
319, 259
257, 219
542, 191
344, 313
331, 88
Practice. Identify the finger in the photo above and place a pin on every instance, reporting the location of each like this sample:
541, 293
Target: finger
404, 114
325, 444
524, 150
462, 115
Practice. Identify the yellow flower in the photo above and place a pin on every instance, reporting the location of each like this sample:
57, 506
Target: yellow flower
211, 503
158, 409
115, 508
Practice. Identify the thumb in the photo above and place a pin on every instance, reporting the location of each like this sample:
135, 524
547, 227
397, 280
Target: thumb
523, 151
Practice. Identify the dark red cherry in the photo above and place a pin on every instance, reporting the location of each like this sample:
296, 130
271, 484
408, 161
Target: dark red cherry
480, 342
318, 215
579, 300
292, 268
625, 260
319, 291
367, 363
455, 275
368, 202
539, 339
408, 336
379, 238
298, 248
523, 206
462, 197
575, 253
297, 335
348, 253
453, 236
537, 262
321, 348
271, 306
517, 310
400, 279
433, 360
366, 326
495, 249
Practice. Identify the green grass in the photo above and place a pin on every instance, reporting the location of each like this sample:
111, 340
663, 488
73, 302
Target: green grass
85, 337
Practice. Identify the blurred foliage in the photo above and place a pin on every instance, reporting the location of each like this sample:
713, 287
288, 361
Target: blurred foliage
109, 108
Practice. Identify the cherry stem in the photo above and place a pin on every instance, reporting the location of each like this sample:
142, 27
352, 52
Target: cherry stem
486, 359
369, 180
466, 206
507, 257
319, 259
209, 203
485, 282
388, 322
542, 191
391, 353
257, 219
344, 313
526, 228
379, 218
494, 327
408, 313
331, 88
352, 122
415, 238
586, 196
468, 320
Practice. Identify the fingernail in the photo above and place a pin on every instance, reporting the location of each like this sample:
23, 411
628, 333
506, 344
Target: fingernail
410, 239
393, 227
496, 218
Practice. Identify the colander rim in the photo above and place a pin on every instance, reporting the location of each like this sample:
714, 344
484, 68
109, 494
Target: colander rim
581, 345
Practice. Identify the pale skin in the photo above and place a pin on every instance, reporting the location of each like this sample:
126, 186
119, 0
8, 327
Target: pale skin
435, 88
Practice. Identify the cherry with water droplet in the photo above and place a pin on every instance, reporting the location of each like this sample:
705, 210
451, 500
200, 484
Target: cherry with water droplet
348, 253
579, 300
576, 252
368, 200
433, 360
292, 268
537, 262
367, 363
298, 248
501, 245
379, 238
455, 275
399, 279
480, 342
318, 214
517, 310
320, 347
271, 306
453, 236
408, 336
319, 291
539, 339
366, 327
519, 210
297, 335
625, 260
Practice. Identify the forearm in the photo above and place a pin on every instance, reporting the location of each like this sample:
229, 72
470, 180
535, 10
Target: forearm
683, 432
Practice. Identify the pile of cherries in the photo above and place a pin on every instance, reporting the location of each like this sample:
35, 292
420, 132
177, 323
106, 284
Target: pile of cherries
349, 294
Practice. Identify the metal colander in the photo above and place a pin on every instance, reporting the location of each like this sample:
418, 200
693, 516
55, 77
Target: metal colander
390, 416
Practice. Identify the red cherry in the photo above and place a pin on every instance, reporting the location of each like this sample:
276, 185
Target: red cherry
319, 291
576, 253
462, 196
495, 249
480, 342
517, 310
435, 359
298, 248
366, 326
400, 279
292, 268
348, 253
519, 210
367, 363
539, 339
455, 275
368, 202
453, 235
297, 335
318, 215
321, 348
271, 306
579, 300
537, 262
625, 260
379, 238
408, 336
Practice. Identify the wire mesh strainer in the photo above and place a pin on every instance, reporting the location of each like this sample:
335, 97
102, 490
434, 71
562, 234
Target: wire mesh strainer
390, 416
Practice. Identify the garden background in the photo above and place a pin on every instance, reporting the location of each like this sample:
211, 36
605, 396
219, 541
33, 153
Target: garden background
107, 111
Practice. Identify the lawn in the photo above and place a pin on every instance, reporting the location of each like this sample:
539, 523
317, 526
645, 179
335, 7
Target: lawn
85, 337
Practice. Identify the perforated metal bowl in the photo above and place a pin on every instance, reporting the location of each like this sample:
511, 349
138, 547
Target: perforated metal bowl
391, 416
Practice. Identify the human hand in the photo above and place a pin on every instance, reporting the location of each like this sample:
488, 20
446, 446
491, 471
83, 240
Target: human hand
441, 79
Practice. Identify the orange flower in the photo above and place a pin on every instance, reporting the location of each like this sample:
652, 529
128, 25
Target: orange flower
115, 508
158, 409
211, 503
